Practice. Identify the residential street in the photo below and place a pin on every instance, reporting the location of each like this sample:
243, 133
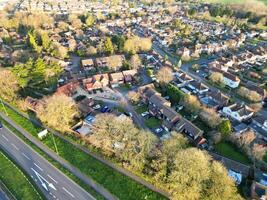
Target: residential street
185, 68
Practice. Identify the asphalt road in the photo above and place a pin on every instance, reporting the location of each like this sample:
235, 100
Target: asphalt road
53, 183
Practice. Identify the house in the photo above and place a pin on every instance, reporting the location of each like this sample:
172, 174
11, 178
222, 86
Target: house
129, 75
259, 185
198, 87
116, 79
188, 128
114, 61
215, 99
160, 108
182, 77
85, 106
238, 112
88, 64
253, 87
69, 89
96, 82
261, 121
228, 79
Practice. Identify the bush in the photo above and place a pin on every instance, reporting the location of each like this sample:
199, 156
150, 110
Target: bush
225, 127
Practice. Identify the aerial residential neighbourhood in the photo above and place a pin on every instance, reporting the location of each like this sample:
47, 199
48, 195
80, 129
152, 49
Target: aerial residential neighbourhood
133, 99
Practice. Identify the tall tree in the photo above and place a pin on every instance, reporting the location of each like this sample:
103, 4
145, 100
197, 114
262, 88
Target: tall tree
135, 61
165, 75
58, 112
9, 85
108, 46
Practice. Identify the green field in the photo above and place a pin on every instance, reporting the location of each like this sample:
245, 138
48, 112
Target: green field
230, 151
119, 185
16, 182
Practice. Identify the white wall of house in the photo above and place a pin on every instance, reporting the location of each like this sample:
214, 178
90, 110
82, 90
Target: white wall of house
235, 115
230, 83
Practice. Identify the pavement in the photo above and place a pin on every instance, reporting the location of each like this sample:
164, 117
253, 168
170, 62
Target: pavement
53, 183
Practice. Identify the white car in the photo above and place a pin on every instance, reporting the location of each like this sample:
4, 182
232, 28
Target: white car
96, 107
144, 114
158, 130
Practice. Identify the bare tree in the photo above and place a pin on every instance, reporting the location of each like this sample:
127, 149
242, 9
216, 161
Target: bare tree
58, 112
135, 61
9, 86
133, 96
216, 77
165, 75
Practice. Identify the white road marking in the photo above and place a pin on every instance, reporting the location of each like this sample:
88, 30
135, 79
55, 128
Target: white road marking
38, 166
68, 192
43, 181
26, 156
15, 146
5, 138
51, 178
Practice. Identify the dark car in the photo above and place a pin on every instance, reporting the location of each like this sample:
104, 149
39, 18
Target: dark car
1, 125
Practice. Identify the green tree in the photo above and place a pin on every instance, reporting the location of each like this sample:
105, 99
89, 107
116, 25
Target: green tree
118, 41
46, 42
90, 20
32, 39
108, 46
175, 94
225, 127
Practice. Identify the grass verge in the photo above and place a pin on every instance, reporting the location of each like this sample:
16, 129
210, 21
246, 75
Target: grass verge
16, 181
230, 151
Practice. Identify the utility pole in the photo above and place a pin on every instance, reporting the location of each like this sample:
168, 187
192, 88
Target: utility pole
3, 106
55, 144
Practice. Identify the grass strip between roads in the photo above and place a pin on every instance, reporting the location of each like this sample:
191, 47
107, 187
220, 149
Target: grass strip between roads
118, 184
16, 180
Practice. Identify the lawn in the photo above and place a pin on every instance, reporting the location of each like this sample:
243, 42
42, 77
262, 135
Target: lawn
16, 182
141, 109
230, 151
121, 186
152, 122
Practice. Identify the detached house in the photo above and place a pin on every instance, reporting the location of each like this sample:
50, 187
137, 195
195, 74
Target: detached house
198, 87
69, 89
238, 112
215, 99
96, 82
228, 79
188, 128
129, 75
88, 64
116, 79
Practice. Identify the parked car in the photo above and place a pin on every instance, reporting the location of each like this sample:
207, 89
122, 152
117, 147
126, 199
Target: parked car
144, 114
96, 107
1, 125
158, 130
105, 109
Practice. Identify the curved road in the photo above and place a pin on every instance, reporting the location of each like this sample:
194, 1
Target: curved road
53, 183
